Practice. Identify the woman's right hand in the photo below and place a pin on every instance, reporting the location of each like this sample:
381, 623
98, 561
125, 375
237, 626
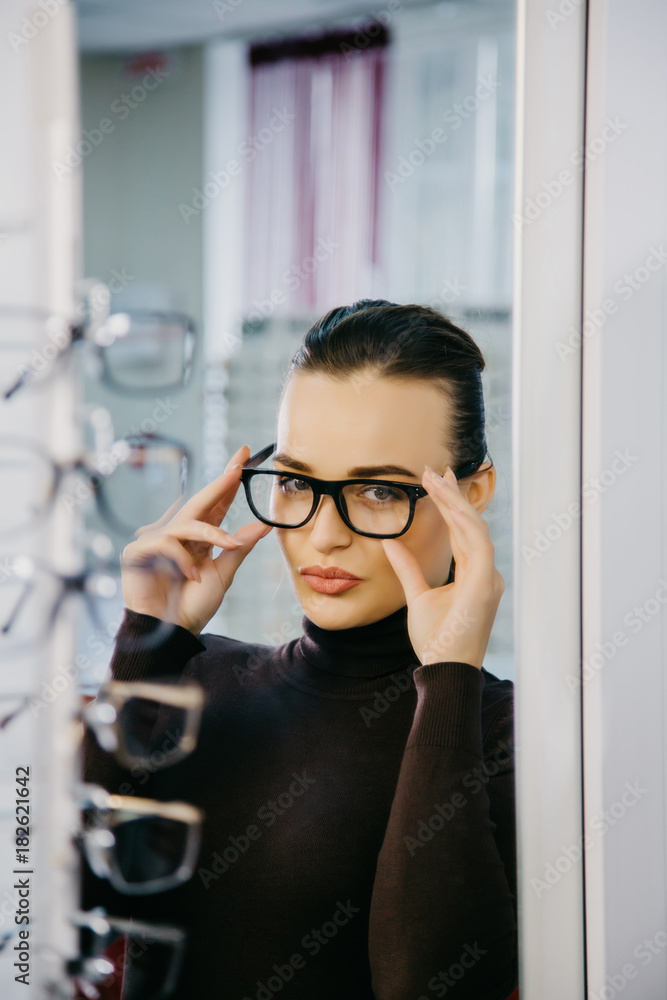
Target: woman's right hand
188, 539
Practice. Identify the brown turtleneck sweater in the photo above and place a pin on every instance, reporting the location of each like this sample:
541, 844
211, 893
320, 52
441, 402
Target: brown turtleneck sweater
359, 839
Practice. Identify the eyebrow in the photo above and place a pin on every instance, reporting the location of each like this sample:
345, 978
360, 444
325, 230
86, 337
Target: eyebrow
358, 472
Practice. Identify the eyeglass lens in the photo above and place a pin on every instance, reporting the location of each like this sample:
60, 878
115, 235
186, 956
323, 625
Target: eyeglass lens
141, 487
150, 848
152, 729
144, 351
140, 480
373, 508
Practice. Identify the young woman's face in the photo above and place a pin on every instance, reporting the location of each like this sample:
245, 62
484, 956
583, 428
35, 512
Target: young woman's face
332, 429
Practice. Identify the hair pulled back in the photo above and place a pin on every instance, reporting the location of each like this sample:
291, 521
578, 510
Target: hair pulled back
377, 338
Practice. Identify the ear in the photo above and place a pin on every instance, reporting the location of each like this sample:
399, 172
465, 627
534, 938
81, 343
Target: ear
479, 489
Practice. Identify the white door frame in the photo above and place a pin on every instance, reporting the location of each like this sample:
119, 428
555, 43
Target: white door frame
547, 483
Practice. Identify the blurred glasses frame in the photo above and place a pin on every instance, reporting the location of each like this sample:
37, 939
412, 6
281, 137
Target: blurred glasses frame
334, 488
111, 811
99, 330
98, 930
102, 716
126, 451
96, 583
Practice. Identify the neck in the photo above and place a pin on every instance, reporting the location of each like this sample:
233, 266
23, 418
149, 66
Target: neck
364, 651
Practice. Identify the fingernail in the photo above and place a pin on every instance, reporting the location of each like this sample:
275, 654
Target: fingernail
233, 540
434, 474
196, 575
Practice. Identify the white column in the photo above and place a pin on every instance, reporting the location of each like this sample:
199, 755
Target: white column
546, 444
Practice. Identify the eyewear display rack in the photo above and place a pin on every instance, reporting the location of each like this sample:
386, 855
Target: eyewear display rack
40, 231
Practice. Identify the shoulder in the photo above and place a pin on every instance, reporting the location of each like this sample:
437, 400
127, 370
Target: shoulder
239, 661
498, 719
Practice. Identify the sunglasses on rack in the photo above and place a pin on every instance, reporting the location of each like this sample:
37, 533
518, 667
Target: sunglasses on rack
375, 508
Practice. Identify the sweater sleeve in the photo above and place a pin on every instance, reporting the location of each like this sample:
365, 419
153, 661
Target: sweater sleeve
133, 659
443, 909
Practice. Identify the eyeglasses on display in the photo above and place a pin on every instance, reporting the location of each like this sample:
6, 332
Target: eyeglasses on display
376, 508
157, 951
140, 845
133, 352
32, 593
133, 483
144, 723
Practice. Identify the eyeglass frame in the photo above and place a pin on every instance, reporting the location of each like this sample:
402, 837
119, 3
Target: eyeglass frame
76, 583
98, 843
95, 476
334, 489
115, 694
84, 965
87, 330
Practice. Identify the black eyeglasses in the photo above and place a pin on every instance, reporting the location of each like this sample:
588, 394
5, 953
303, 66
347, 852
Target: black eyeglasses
376, 508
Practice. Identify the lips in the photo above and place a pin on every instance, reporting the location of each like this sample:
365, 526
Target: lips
328, 572
329, 579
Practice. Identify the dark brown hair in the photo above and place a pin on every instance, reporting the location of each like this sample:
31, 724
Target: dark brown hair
376, 337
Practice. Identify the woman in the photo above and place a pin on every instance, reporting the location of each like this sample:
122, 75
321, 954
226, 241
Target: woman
357, 781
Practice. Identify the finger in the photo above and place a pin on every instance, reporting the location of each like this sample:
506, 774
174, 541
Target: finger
455, 521
406, 567
165, 546
229, 560
468, 528
470, 539
214, 500
161, 521
201, 531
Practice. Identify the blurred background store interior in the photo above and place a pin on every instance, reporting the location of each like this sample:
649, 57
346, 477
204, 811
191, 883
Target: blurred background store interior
254, 164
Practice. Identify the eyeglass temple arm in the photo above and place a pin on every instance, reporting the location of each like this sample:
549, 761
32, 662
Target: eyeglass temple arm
260, 456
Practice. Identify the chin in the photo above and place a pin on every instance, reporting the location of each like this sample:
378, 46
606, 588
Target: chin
346, 610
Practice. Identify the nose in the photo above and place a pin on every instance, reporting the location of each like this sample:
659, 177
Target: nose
327, 528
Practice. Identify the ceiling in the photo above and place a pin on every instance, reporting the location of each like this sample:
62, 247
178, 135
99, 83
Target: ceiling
140, 25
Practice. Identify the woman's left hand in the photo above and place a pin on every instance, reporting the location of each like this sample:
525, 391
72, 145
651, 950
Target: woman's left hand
454, 621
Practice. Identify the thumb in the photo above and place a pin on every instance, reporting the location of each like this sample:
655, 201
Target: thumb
406, 567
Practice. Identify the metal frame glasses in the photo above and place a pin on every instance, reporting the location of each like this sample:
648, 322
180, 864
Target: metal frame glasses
133, 452
334, 488
118, 337
32, 593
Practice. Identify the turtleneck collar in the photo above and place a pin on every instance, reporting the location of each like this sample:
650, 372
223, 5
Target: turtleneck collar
362, 651
347, 661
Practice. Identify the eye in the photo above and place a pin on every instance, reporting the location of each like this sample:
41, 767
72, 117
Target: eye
290, 485
382, 494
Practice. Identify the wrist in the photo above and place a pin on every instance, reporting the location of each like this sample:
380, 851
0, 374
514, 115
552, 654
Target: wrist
453, 654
